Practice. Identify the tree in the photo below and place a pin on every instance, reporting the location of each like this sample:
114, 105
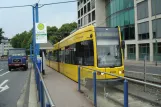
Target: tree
1, 34
65, 29
24, 39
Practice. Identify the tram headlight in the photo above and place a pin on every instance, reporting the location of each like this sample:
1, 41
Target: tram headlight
102, 73
121, 72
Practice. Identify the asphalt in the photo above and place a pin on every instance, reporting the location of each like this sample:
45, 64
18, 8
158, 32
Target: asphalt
140, 68
15, 81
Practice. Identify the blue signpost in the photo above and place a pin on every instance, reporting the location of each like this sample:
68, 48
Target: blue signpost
35, 20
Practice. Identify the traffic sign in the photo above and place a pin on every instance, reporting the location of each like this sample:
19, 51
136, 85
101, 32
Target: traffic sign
41, 33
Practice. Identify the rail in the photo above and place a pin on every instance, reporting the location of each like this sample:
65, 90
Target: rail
43, 94
126, 79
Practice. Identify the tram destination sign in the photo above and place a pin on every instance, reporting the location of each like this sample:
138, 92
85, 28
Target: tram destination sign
41, 33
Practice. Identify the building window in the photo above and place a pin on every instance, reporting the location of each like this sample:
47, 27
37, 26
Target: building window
78, 4
156, 7
128, 32
81, 24
89, 6
143, 30
157, 51
144, 51
156, 28
78, 23
142, 10
92, 4
84, 1
85, 19
85, 9
89, 17
131, 52
82, 12
78, 13
93, 15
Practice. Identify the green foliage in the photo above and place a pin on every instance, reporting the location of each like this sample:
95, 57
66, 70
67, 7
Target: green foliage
24, 39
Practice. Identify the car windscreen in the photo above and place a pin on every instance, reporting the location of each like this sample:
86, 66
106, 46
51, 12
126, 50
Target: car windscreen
17, 53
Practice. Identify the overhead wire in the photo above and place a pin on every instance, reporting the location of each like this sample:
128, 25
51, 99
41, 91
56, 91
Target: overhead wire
15, 6
40, 4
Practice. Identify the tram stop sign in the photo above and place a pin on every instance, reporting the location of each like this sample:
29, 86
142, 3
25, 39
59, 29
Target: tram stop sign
41, 33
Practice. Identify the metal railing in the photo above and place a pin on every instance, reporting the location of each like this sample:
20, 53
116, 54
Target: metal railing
44, 97
126, 79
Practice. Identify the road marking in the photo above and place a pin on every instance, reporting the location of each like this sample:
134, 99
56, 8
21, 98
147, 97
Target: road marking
5, 73
1, 69
5, 87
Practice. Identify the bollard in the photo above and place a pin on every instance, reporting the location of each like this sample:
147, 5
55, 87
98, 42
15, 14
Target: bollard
41, 94
125, 93
145, 57
48, 105
79, 86
94, 88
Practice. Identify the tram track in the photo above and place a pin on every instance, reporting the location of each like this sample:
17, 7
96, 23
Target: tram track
113, 93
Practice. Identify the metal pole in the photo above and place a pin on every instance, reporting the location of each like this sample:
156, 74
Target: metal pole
144, 72
43, 71
37, 21
30, 51
156, 51
48, 105
41, 94
125, 93
34, 36
79, 87
95, 90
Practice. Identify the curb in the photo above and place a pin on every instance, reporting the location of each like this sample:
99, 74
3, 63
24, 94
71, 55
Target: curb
33, 101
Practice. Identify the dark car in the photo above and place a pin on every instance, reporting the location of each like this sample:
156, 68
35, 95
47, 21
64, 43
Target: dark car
17, 58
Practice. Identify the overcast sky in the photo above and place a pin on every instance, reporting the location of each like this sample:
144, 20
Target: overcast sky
17, 20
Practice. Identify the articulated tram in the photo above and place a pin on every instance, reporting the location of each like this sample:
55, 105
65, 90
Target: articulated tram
97, 48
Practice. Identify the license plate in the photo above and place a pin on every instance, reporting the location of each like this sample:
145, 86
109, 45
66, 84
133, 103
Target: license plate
16, 64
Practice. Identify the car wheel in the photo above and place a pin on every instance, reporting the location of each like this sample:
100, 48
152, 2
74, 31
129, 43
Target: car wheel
9, 68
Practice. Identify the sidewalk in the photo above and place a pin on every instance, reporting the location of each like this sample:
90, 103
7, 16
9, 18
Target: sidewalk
64, 91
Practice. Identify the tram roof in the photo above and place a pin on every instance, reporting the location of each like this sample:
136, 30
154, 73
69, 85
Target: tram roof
87, 28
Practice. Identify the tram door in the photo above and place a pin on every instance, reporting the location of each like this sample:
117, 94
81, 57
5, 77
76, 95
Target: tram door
61, 61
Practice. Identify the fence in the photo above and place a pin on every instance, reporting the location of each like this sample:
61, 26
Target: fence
90, 84
43, 94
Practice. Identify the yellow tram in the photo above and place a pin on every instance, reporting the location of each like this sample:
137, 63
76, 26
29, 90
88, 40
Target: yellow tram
97, 48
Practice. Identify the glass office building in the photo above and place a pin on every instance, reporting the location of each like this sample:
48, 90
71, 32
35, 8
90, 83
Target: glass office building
121, 13
139, 20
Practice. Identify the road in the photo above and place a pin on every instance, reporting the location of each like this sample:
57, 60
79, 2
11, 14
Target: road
140, 68
14, 82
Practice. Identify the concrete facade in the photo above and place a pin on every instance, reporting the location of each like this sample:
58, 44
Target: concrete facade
91, 12
5, 46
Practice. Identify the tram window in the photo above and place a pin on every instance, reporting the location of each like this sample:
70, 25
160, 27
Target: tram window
70, 54
61, 56
84, 53
67, 56
89, 54
55, 55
